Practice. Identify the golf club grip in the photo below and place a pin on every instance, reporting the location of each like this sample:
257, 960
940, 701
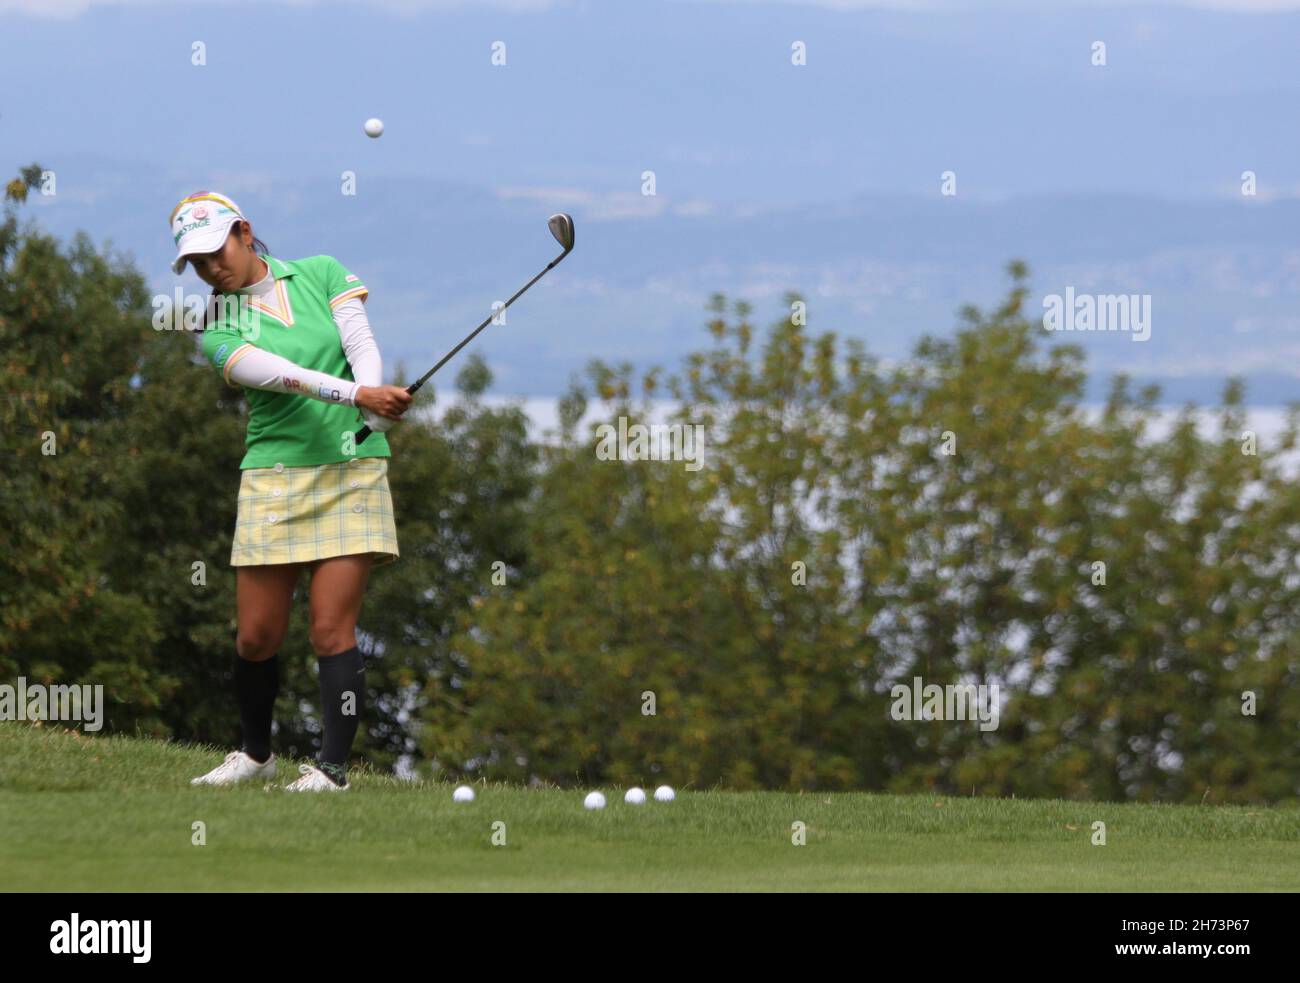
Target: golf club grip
365, 432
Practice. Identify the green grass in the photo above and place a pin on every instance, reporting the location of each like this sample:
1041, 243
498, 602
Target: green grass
82, 813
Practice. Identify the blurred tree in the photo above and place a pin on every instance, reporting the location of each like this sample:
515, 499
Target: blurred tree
103, 519
460, 488
949, 514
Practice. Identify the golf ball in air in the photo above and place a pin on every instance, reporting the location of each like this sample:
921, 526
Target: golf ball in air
463, 794
665, 793
635, 796
594, 800
374, 127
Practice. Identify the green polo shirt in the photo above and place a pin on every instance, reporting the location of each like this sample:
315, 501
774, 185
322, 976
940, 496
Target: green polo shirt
296, 321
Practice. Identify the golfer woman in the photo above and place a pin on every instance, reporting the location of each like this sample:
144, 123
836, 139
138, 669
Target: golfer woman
294, 333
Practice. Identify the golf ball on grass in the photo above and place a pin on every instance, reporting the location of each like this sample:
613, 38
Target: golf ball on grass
634, 796
594, 800
665, 793
463, 794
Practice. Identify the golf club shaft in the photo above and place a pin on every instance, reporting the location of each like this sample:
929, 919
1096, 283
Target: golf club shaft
365, 432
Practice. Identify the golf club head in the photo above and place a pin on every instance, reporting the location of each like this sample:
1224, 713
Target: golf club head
561, 226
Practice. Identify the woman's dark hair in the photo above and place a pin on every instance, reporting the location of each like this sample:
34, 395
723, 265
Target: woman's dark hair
258, 246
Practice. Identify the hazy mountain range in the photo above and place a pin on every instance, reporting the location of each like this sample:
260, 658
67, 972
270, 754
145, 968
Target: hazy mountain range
1223, 276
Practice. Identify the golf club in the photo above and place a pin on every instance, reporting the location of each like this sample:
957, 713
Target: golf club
561, 226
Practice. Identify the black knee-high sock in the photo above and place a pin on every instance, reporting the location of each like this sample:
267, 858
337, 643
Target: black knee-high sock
257, 684
340, 675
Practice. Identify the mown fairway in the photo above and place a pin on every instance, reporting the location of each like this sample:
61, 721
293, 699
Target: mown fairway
83, 813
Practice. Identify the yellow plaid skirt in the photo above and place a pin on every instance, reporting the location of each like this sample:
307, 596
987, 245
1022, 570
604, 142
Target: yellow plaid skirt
296, 515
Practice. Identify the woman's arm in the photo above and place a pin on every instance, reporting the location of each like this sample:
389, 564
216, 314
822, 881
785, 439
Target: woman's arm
358, 342
260, 369
362, 353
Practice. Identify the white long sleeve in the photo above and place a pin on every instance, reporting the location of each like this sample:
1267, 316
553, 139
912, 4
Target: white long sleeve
362, 354
260, 369
358, 342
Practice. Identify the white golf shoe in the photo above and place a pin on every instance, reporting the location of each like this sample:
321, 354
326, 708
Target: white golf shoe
238, 767
314, 780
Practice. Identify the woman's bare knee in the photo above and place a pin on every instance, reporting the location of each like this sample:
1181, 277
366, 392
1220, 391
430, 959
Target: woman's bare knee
331, 637
263, 596
257, 643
